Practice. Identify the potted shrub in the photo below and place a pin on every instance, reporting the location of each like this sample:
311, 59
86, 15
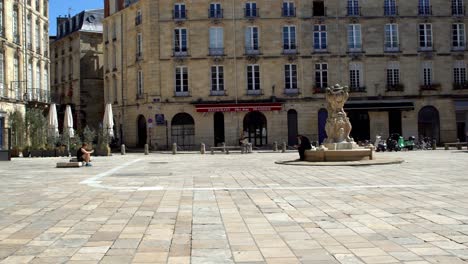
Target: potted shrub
16, 122
63, 143
75, 144
36, 152
36, 127
88, 136
103, 148
50, 147
27, 152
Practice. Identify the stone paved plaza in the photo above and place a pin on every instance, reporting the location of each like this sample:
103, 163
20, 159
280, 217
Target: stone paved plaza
235, 208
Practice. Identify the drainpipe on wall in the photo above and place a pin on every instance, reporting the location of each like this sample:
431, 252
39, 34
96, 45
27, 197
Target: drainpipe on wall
235, 60
121, 78
25, 63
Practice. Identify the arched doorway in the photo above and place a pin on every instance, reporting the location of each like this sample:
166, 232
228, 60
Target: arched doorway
218, 128
322, 121
429, 123
292, 127
255, 124
361, 125
142, 131
183, 131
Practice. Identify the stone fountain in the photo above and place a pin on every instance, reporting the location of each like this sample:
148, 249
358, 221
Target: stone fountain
339, 146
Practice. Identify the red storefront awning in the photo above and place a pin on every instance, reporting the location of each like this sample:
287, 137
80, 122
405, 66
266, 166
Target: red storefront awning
244, 107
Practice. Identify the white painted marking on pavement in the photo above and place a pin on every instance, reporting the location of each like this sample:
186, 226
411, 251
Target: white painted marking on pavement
94, 181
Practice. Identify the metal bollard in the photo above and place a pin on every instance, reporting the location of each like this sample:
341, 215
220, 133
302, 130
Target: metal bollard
275, 146
146, 149
283, 147
434, 144
202, 148
123, 151
224, 147
174, 148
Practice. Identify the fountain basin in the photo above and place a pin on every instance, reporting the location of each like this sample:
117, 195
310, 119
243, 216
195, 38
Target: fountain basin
339, 155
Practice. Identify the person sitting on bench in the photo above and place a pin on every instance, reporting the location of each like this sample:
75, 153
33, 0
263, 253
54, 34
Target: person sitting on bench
84, 155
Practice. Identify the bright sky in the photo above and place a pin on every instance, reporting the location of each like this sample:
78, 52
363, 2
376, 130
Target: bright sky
61, 7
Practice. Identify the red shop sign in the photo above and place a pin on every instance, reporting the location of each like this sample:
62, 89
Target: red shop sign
208, 108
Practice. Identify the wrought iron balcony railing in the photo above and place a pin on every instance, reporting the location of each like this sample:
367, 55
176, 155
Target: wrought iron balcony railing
182, 93
429, 87
255, 92
460, 86
357, 89
395, 87
291, 91
218, 93
180, 52
252, 51
216, 51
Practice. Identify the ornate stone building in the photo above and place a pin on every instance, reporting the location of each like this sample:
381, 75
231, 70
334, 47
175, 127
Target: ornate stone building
77, 67
24, 57
202, 71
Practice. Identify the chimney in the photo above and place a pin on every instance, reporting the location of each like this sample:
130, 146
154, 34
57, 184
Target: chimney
60, 21
106, 8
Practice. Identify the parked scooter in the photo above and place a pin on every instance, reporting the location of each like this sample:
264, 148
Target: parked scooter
380, 144
409, 143
392, 143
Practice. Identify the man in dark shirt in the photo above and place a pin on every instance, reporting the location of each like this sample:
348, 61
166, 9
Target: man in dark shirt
304, 144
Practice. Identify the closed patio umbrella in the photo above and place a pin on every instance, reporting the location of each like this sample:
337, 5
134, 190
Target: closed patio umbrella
68, 122
108, 122
52, 122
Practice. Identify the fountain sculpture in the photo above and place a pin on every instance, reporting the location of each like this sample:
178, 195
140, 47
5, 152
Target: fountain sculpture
339, 146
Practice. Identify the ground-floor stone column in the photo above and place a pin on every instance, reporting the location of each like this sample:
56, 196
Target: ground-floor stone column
409, 124
378, 124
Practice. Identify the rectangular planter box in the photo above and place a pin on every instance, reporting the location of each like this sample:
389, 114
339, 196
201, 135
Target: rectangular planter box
49, 153
5, 155
61, 153
36, 153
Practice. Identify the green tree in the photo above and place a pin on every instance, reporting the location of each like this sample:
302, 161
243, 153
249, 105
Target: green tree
36, 125
18, 131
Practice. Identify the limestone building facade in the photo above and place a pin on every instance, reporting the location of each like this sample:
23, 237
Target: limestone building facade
207, 71
77, 68
24, 57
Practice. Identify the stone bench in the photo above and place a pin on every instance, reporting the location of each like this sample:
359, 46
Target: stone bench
69, 164
459, 145
226, 149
